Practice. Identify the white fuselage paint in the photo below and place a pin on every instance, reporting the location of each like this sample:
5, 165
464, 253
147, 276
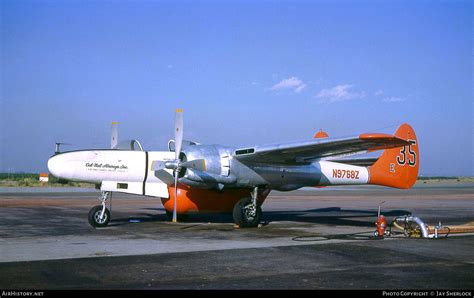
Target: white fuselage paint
115, 170
334, 173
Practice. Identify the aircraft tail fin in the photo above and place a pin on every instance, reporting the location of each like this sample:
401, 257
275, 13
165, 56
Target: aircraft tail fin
398, 167
321, 134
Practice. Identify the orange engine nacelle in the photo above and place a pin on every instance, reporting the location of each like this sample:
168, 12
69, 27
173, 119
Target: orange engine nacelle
206, 200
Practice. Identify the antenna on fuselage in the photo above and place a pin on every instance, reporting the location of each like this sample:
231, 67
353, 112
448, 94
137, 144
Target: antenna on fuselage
114, 137
57, 150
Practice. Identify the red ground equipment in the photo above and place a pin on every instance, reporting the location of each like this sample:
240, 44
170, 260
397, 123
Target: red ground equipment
381, 225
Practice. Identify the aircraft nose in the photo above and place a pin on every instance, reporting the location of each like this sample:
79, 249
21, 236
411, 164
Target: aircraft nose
55, 166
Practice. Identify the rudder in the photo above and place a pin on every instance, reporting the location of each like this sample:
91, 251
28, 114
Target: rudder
398, 167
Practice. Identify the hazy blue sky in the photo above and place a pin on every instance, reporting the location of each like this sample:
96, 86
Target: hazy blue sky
245, 72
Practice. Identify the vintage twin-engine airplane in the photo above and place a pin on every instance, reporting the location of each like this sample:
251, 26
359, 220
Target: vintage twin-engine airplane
215, 178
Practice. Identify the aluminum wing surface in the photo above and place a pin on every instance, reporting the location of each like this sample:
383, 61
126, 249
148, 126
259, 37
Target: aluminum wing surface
362, 162
306, 152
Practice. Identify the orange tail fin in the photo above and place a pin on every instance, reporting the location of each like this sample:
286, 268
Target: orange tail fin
320, 134
398, 167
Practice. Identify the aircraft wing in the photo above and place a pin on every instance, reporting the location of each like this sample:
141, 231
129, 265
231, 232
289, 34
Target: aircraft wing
362, 162
308, 151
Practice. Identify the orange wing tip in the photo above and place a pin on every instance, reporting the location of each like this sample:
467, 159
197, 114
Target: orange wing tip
179, 110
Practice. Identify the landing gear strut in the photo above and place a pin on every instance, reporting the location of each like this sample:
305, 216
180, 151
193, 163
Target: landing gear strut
99, 216
247, 212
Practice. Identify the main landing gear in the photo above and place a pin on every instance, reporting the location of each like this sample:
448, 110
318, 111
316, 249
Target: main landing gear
247, 212
99, 216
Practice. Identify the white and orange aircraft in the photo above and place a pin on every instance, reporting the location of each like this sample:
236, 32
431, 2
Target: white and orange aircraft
192, 177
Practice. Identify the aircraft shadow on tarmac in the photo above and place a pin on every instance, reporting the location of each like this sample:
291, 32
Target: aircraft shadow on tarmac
325, 216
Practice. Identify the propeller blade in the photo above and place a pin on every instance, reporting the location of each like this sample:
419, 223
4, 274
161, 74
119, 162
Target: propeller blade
114, 136
164, 176
157, 165
197, 164
176, 174
178, 141
178, 132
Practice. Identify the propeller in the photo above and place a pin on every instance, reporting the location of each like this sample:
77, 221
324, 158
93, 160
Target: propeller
114, 135
176, 165
178, 139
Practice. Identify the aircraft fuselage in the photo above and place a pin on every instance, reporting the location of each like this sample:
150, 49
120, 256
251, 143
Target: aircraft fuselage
130, 171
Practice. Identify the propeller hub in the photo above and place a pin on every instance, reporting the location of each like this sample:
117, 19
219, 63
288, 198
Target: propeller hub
172, 164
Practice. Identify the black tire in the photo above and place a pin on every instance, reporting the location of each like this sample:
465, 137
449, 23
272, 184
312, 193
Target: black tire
242, 217
94, 217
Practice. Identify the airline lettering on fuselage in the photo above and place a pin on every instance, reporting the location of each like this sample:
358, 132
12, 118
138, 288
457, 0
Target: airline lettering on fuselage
95, 166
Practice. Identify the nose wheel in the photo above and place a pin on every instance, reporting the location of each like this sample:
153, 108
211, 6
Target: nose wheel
97, 219
99, 216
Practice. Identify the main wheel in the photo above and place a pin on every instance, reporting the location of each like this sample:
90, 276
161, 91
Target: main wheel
94, 217
244, 214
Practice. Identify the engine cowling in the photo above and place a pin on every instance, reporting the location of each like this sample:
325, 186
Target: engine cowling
217, 171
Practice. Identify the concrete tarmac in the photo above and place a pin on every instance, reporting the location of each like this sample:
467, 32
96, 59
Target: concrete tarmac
309, 239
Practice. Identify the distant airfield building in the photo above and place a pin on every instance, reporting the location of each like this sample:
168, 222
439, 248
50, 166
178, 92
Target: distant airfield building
43, 177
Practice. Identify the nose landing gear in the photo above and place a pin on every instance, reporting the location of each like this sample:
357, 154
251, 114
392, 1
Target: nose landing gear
99, 216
